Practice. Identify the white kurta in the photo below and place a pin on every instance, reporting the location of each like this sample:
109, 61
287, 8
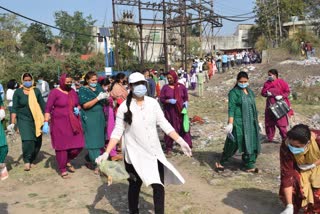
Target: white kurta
141, 144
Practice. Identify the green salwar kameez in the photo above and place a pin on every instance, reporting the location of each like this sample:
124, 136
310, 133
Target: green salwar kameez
31, 144
3, 140
93, 122
242, 108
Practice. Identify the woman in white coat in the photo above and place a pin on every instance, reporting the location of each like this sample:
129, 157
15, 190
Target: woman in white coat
136, 123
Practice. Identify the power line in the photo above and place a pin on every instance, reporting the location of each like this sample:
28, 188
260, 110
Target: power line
45, 24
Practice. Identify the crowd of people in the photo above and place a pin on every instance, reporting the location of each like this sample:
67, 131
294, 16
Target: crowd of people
116, 118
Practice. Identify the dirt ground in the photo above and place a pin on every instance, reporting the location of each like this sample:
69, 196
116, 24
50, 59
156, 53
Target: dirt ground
43, 191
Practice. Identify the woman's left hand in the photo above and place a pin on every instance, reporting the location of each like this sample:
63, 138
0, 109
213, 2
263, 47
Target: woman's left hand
76, 111
45, 128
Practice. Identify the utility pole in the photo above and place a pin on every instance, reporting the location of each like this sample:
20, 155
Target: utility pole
141, 38
279, 19
115, 34
185, 35
212, 30
165, 43
200, 28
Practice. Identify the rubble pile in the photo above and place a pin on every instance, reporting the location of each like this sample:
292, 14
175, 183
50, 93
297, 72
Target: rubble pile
311, 61
308, 82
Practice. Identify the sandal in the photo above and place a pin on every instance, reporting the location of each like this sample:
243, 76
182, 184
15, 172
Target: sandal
97, 171
89, 165
254, 170
65, 175
71, 168
27, 167
219, 167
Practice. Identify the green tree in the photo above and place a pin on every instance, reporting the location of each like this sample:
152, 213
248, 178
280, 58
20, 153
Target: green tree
10, 30
267, 17
35, 40
313, 12
193, 47
127, 41
78, 41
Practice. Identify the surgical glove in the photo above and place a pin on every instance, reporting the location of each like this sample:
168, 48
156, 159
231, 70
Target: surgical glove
184, 146
269, 94
306, 167
102, 96
172, 101
279, 97
102, 157
2, 114
76, 111
228, 129
186, 104
45, 128
288, 210
10, 128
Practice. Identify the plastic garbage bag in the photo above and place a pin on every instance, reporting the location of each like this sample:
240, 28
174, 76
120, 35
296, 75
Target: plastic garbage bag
186, 121
112, 171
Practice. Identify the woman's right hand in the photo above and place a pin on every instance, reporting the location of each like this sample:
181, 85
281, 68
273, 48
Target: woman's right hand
229, 128
102, 96
10, 128
184, 146
102, 157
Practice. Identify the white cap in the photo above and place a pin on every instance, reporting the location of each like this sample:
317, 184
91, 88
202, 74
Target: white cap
136, 77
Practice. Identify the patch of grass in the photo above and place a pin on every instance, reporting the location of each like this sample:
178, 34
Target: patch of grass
32, 195
30, 205
62, 196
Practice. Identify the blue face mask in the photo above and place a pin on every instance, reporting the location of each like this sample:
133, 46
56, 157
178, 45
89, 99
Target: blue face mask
270, 78
93, 85
40, 81
243, 85
140, 90
295, 150
27, 84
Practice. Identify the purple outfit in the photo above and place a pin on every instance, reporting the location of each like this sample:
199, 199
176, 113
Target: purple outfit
276, 87
110, 124
65, 140
173, 115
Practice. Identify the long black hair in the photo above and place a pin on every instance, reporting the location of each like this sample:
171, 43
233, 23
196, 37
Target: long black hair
128, 114
118, 77
27, 75
12, 84
300, 133
88, 76
274, 72
241, 74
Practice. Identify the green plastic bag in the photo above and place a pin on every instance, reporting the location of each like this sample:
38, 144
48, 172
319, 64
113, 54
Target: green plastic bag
186, 122
112, 171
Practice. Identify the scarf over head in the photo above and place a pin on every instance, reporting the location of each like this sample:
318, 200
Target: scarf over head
311, 178
177, 95
34, 106
74, 120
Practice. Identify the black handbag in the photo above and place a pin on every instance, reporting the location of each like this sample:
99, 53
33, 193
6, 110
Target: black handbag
279, 109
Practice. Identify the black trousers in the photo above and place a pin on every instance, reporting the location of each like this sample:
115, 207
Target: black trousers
135, 184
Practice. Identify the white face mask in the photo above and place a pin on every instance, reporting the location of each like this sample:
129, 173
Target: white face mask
139, 90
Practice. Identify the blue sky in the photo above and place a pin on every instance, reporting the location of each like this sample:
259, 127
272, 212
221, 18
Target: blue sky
101, 10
